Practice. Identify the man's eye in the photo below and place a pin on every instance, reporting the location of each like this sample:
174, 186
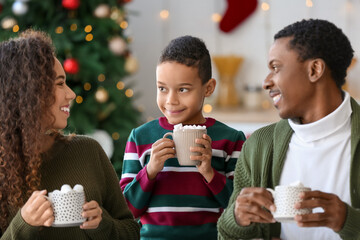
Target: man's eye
161, 89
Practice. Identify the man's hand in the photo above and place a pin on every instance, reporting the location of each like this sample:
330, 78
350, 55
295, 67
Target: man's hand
252, 205
334, 210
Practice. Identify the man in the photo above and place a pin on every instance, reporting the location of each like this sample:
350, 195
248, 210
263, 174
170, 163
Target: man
316, 142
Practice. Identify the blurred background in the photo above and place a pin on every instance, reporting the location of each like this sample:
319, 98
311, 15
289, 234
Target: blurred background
110, 49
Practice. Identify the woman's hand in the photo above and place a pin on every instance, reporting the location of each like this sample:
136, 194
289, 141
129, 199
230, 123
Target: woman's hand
38, 211
93, 213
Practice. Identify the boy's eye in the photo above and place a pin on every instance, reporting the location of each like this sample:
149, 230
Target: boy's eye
275, 68
183, 90
62, 83
161, 89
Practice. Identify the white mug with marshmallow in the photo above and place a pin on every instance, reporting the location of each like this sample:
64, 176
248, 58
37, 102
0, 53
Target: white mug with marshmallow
285, 197
67, 205
184, 138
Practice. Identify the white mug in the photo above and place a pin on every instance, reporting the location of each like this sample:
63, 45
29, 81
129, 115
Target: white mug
184, 139
67, 208
285, 197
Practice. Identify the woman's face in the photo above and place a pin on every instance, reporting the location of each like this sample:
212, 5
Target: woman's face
60, 110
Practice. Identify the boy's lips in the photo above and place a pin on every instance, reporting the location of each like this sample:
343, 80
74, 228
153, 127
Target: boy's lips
173, 111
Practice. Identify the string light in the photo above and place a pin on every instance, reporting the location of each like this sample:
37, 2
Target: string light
115, 136
89, 37
73, 27
59, 30
120, 85
16, 28
164, 14
101, 77
88, 28
124, 24
265, 6
207, 108
309, 3
79, 100
129, 93
87, 86
216, 17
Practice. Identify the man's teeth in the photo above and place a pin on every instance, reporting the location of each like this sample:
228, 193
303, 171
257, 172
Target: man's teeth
276, 98
65, 109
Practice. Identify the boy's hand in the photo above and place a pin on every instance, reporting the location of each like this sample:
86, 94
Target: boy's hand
204, 167
161, 150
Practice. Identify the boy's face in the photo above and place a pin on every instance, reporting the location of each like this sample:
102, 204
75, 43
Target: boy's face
180, 93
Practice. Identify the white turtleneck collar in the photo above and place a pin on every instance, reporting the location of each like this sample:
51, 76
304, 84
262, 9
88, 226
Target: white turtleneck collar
325, 126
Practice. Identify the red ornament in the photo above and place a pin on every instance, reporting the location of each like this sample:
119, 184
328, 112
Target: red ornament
237, 11
124, 1
1, 7
71, 4
71, 66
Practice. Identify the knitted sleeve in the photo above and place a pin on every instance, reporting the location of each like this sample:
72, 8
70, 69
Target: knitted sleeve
19, 230
117, 221
135, 184
351, 228
248, 172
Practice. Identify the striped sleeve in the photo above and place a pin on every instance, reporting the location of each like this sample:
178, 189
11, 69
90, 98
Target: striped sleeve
134, 183
222, 184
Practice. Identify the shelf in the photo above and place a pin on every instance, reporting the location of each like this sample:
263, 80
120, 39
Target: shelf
242, 115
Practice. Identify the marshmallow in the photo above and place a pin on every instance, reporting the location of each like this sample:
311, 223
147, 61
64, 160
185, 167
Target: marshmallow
297, 184
66, 188
78, 188
180, 127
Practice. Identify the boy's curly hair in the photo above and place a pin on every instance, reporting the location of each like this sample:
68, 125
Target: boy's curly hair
315, 38
26, 93
190, 51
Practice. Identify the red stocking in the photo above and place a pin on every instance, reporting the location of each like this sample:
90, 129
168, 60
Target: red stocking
236, 12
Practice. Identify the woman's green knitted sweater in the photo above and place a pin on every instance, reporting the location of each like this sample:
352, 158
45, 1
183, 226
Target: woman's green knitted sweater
81, 160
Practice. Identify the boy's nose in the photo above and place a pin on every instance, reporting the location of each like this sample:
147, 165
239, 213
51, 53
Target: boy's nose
172, 98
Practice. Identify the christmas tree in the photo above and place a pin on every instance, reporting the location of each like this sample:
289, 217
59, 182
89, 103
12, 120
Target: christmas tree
90, 42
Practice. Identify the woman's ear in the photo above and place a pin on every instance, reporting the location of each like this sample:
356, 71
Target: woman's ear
316, 69
210, 87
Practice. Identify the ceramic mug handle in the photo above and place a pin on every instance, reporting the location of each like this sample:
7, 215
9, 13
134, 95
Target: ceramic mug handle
168, 134
272, 191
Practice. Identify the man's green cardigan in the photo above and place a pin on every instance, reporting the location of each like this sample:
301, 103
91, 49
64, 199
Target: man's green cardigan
260, 165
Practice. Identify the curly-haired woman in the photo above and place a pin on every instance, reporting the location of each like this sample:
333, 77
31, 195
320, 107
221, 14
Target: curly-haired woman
35, 158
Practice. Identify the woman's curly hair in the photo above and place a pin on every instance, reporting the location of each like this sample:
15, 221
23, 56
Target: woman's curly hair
26, 93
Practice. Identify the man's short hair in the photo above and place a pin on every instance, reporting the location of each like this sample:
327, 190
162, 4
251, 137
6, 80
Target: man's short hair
315, 38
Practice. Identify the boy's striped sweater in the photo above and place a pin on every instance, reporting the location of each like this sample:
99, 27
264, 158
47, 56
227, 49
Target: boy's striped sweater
179, 203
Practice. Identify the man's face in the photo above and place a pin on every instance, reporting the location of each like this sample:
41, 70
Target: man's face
288, 81
180, 93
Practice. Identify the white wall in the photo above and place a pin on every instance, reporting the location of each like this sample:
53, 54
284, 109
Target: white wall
251, 39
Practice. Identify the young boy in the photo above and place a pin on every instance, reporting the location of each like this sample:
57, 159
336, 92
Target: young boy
173, 201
